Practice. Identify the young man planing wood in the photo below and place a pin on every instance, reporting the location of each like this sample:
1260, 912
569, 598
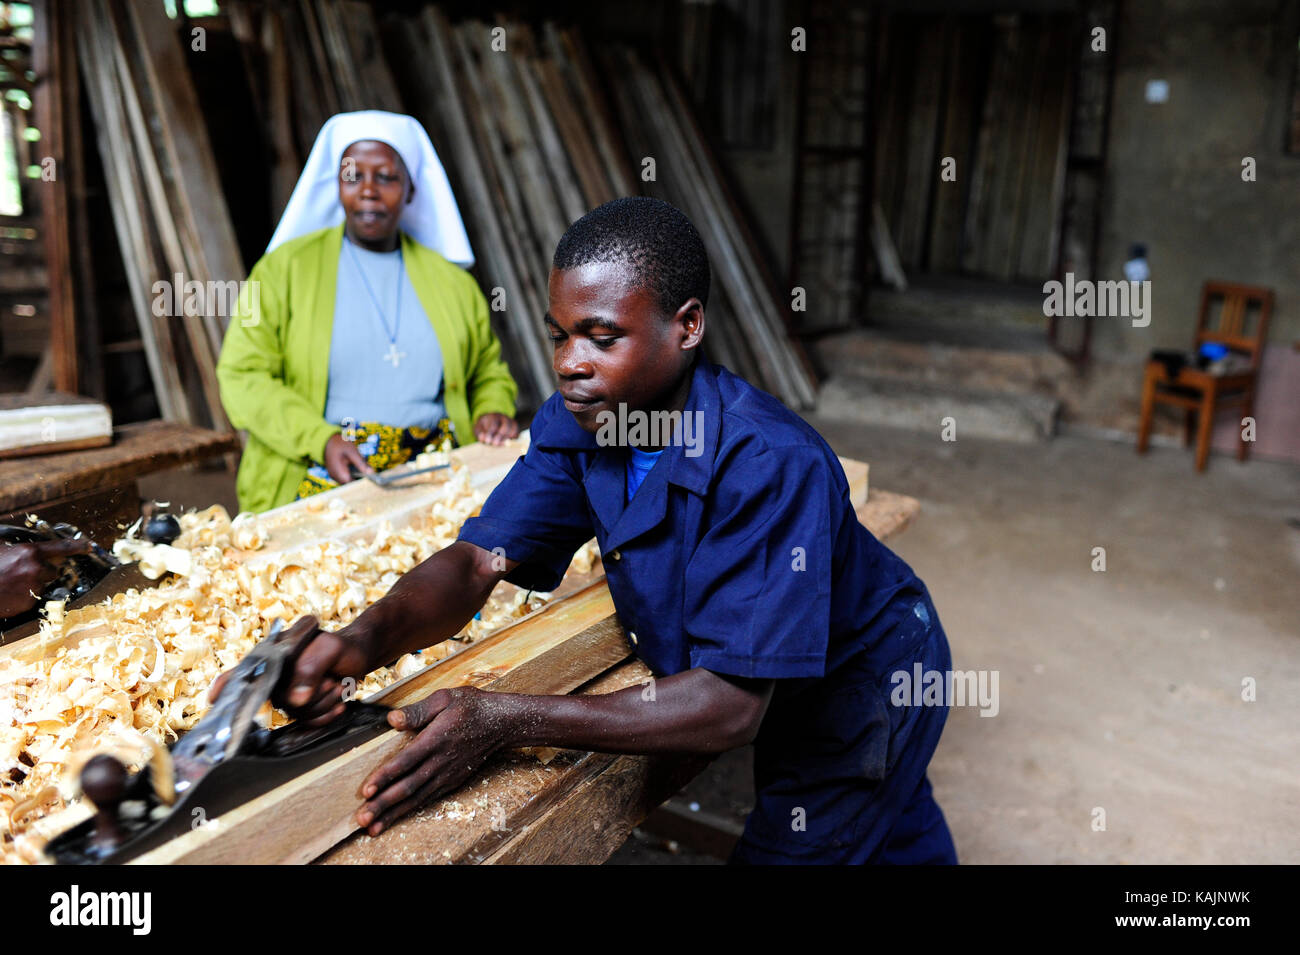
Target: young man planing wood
766, 611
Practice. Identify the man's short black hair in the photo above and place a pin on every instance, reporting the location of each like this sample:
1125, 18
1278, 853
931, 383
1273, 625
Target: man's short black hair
651, 236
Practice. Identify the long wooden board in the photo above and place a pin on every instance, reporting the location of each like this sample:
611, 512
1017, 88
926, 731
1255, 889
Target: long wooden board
301, 819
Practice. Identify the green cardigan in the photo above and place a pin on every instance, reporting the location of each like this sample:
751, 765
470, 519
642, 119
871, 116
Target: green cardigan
274, 366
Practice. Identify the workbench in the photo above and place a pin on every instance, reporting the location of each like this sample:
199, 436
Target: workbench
577, 809
574, 807
95, 489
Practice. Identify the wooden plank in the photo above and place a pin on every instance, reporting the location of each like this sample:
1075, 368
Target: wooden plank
545, 218
285, 165
139, 253
793, 368
1039, 54
564, 183
568, 49
962, 83
298, 821
856, 473
1043, 197
468, 826
163, 212
887, 514
314, 96
195, 197
338, 58
366, 54
90, 379
530, 262
580, 146
51, 71
438, 102
922, 172
595, 817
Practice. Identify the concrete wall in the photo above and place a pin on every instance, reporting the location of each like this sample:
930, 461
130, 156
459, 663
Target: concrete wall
1174, 170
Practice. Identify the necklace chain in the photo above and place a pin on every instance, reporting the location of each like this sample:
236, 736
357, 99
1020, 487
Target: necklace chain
374, 300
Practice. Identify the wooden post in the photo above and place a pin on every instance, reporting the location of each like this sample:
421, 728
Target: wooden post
50, 65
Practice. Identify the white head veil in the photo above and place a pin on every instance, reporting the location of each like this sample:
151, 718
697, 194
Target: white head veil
431, 218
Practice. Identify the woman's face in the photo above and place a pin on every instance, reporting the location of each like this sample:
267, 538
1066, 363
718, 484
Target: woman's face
373, 187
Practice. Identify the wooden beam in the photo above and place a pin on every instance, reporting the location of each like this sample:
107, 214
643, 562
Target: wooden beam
195, 195
51, 68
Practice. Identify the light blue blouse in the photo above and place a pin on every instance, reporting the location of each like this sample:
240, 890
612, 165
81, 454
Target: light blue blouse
364, 382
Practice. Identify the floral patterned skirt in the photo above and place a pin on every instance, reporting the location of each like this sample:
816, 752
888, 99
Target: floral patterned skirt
383, 447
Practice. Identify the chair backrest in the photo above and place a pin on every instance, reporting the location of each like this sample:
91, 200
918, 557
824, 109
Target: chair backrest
1233, 326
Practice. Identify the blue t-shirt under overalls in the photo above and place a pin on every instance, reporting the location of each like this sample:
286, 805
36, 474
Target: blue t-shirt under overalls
741, 553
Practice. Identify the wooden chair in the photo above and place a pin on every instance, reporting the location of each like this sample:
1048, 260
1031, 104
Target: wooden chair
1199, 392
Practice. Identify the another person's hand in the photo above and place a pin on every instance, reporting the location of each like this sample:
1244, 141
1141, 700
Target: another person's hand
495, 428
457, 730
25, 569
311, 688
339, 454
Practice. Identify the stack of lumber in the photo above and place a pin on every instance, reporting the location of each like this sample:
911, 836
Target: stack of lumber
749, 316
305, 61
169, 214
531, 143
520, 118
528, 143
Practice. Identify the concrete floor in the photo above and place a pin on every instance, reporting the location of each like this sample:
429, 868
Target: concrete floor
1119, 690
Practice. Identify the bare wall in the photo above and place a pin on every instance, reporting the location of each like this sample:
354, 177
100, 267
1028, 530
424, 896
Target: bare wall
1174, 170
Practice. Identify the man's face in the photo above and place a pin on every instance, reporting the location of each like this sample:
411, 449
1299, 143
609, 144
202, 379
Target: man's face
373, 188
614, 344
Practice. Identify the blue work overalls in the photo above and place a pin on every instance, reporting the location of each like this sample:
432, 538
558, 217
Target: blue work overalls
741, 553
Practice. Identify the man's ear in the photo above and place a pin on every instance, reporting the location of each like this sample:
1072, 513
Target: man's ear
689, 318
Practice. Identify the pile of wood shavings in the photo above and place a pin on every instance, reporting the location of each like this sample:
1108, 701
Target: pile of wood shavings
132, 673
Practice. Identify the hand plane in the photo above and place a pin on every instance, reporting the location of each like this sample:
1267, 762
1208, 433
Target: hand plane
223, 762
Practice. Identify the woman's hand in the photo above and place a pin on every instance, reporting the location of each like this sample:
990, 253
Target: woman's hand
495, 428
340, 456
25, 569
458, 729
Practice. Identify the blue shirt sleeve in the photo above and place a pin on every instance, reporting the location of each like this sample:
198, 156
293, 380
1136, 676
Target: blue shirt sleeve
538, 515
758, 585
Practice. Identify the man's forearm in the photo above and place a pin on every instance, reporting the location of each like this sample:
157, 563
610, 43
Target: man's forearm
692, 712
429, 604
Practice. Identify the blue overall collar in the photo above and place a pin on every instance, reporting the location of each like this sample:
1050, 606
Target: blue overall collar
693, 473
605, 478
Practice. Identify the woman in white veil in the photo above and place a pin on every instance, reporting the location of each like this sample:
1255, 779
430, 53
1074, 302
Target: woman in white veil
360, 339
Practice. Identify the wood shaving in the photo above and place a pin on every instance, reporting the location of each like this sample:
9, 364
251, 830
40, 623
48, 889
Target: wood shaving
130, 674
